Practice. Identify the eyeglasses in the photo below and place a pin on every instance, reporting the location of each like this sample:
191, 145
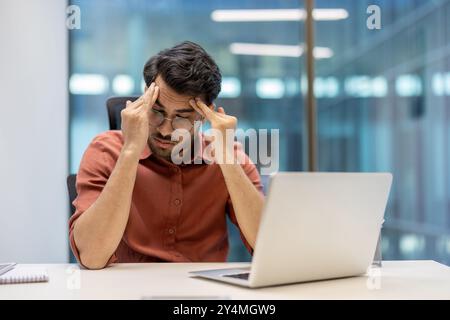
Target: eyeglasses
157, 118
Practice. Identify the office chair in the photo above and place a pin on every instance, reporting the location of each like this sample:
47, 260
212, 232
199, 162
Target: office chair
71, 188
114, 105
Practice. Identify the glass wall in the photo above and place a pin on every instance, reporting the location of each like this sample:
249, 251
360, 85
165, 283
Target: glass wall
117, 37
383, 105
382, 94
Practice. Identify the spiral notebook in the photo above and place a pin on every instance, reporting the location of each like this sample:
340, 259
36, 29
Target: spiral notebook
24, 274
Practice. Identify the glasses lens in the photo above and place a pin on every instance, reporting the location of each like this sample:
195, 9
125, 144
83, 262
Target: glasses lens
182, 123
156, 118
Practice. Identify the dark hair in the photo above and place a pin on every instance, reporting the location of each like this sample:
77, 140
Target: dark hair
188, 69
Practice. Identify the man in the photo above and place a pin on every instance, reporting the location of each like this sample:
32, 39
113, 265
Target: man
134, 204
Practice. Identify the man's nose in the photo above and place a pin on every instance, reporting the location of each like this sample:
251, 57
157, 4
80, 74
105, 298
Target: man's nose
165, 129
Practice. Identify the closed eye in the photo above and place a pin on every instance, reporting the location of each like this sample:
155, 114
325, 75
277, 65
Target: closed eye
158, 111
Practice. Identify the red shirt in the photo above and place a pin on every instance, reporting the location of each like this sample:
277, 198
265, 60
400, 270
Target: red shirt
178, 212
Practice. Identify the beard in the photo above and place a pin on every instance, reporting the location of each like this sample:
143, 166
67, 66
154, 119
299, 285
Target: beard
160, 152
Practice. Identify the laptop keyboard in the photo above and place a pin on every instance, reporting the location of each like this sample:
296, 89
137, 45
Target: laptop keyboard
243, 276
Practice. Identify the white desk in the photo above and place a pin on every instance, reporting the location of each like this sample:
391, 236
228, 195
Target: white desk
397, 280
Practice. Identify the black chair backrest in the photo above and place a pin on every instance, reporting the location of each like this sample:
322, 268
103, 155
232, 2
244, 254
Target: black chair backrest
71, 188
114, 106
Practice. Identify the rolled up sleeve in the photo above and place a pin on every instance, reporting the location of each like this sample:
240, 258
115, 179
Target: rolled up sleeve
95, 168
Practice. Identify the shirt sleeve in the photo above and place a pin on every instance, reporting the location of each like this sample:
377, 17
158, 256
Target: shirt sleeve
252, 173
95, 168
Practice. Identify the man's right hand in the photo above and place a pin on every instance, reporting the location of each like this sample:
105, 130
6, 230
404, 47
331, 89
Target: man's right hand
135, 120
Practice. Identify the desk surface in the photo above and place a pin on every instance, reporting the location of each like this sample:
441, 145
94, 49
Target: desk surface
395, 280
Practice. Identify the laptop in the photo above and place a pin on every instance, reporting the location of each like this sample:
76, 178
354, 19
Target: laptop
315, 226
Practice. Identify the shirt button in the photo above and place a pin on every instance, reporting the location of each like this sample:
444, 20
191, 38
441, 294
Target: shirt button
177, 202
171, 231
175, 170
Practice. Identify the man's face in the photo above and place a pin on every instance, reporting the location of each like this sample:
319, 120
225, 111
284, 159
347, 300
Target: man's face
172, 105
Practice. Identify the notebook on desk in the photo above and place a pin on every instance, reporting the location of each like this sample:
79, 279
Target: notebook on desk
24, 274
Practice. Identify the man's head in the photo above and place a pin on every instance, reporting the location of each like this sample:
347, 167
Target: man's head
182, 73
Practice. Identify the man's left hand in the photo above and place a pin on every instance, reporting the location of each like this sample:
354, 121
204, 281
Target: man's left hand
219, 119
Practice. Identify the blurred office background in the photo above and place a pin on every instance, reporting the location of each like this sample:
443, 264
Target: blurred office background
383, 96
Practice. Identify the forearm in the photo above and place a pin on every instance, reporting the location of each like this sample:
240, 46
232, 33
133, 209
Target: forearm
98, 231
247, 201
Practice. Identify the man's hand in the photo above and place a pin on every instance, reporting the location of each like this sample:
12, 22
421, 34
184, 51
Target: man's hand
135, 122
222, 122
219, 119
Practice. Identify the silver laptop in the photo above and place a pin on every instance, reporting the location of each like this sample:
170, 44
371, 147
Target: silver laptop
315, 226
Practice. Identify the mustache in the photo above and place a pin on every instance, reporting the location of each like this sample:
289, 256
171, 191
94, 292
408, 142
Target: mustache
160, 137
167, 139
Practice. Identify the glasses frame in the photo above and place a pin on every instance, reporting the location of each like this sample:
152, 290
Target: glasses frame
159, 113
